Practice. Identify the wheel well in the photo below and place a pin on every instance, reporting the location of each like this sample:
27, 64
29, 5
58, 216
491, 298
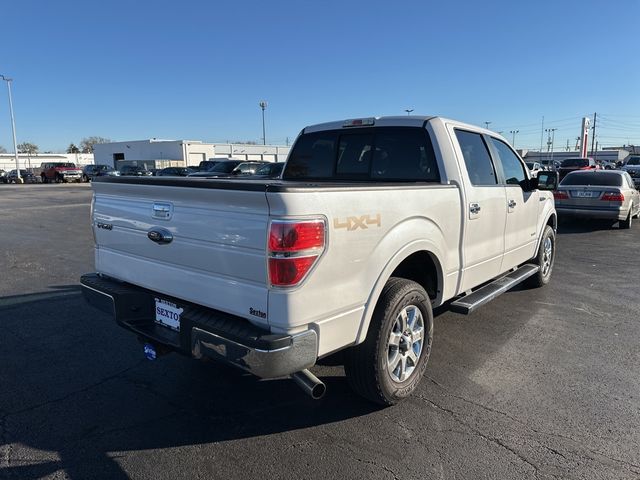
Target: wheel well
422, 269
553, 222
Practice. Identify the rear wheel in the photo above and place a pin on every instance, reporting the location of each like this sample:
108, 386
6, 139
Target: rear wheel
544, 259
389, 364
625, 224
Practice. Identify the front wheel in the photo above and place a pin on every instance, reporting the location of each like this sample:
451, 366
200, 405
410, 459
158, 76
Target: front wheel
389, 364
544, 259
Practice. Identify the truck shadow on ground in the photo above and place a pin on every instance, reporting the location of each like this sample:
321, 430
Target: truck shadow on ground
77, 393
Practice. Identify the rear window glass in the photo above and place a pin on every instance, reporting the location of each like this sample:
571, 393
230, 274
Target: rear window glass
634, 161
593, 178
382, 153
575, 162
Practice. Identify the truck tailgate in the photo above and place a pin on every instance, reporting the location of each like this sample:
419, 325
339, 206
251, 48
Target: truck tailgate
217, 255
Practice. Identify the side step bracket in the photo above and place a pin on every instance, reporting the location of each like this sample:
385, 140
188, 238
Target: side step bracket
469, 303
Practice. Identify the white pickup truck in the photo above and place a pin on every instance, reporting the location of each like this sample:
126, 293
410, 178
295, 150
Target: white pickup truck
374, 222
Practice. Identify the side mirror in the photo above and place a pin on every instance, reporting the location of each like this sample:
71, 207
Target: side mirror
546, 180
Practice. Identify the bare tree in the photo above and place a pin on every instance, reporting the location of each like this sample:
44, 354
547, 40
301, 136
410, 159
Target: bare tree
86, 145
27, 147
72, 148
2, 149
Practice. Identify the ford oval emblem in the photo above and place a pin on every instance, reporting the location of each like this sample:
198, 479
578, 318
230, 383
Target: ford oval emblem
160, 235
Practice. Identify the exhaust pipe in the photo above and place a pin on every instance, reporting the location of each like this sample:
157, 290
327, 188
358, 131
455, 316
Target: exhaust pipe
310, 384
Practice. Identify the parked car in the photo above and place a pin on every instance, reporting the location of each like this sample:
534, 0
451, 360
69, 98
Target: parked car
207, 165
598, 194
571, 164
607, 165
550, 165
632, 167
27, 177
135, 171
173, 172
230, 168
534, 168
60, 172
3, 176
270, 170
89, 172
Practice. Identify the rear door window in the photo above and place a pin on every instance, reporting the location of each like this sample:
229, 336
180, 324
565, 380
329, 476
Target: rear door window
476, 158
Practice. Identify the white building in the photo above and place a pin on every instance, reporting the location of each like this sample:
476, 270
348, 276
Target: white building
33, 162
156, 153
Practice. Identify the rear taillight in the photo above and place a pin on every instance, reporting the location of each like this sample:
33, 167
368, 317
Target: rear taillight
294, 247
560, 195
612, 197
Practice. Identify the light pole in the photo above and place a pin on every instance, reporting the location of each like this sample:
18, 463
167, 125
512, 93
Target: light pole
513, 137
552, 132
263, 105
13, 128
486, 124
408, 110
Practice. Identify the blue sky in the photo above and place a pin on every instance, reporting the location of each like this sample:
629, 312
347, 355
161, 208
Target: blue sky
197, 69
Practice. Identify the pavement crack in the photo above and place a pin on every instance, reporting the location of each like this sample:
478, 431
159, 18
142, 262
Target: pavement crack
474, 430
76, 392
376, 464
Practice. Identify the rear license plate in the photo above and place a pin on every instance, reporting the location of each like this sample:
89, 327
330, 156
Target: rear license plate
168, 314
584, 194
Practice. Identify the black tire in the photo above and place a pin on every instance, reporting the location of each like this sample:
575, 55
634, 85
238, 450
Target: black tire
367, 365
85, 179
544, 260
626, 224
44, 179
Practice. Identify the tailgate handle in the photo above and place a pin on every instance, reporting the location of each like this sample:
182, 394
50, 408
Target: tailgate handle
161, 236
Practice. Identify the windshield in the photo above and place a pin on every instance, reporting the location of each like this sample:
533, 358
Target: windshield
104, 168
575, 162
225, 167
65, 165
634, 161
593, 178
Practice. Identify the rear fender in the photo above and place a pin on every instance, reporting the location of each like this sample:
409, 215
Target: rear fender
418, 246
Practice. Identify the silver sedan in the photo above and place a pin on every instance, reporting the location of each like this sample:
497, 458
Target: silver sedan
603, 194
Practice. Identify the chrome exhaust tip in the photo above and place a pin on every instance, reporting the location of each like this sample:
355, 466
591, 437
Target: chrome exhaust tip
310, 384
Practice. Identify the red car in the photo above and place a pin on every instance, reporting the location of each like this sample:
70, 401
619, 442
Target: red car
59, 172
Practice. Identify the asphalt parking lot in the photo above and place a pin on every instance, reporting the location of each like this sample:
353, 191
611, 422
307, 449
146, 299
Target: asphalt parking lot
537, 384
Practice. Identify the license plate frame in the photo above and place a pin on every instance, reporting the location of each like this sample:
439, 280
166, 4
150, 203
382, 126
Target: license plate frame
167, 314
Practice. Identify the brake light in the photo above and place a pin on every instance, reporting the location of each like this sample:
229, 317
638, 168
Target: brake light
613, 197
294, 248
296, 236
560, 195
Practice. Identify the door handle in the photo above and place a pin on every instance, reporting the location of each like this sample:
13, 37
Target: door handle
474, 208
512, 203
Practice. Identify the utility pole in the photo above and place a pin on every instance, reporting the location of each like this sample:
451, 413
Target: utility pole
541, 134
568, 145
486, 124
263, 105
593, 139
408, 110
552, 133
513, 137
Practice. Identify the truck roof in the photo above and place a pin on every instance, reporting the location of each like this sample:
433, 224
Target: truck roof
390, 121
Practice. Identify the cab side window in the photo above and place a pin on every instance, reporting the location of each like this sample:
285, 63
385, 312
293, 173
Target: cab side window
512, 167
476, 158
